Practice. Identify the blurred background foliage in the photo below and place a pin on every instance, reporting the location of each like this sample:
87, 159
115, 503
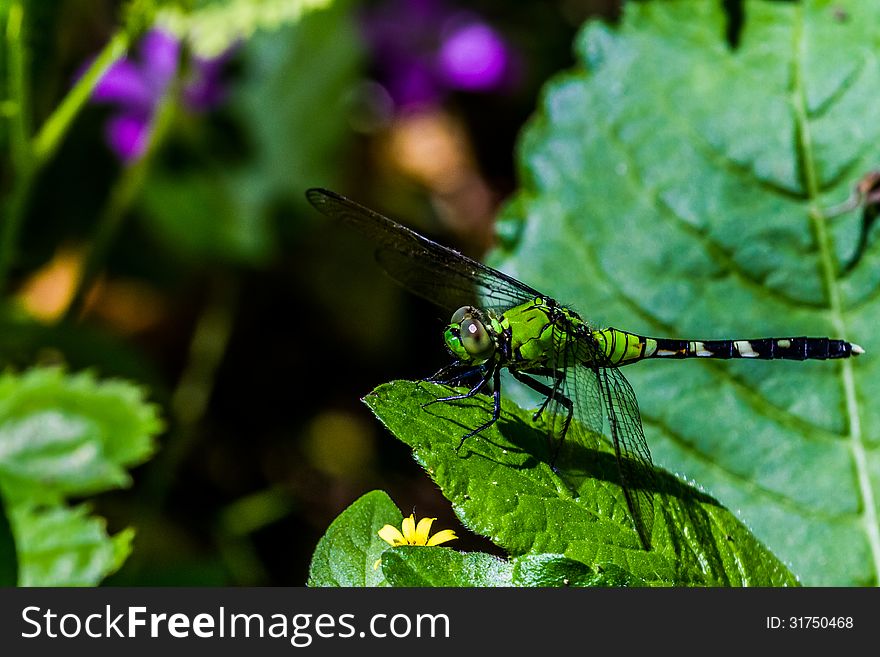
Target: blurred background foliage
164, 238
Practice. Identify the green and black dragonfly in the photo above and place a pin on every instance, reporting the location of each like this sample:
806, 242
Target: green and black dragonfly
499, 322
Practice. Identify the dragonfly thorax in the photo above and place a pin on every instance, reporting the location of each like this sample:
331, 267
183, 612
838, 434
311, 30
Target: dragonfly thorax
473, 335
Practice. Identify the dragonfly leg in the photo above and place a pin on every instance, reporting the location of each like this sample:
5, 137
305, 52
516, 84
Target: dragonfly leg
470, 393
496, 408
541, 388
449, 373
454, 374
551, 394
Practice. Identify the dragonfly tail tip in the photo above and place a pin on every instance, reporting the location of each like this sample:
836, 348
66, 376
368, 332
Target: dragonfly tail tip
856, 349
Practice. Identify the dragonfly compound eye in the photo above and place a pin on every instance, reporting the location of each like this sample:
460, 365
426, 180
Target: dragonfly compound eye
461, 313
476, 339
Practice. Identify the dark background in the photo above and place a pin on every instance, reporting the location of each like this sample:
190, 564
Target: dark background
258, 356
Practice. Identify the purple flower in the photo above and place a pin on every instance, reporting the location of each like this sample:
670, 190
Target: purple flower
473, 56
137, 87
425, 48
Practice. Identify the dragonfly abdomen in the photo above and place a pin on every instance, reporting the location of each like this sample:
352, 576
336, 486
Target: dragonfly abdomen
623, 348
800, 348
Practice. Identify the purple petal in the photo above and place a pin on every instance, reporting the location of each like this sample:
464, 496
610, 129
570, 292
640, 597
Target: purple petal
124, 83
128, 135
160, 53
473, 57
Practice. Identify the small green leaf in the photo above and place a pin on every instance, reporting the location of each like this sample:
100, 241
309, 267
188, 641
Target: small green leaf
348, 553
64, 435
416, 565
8, 556
557, 570
60, 546
502, 487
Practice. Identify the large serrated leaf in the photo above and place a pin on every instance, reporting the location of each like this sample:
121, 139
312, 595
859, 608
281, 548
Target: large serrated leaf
674, 186
502, 487
349, 552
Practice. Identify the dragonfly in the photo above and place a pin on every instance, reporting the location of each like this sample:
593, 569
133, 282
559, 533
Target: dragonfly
500, 323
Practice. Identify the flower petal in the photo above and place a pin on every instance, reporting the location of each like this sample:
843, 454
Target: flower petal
422, 531
128, 135
391, 535
160, 52
409, 529
124, 83
442, 537
473, 57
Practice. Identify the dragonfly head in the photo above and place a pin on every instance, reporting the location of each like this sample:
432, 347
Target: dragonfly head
469, 336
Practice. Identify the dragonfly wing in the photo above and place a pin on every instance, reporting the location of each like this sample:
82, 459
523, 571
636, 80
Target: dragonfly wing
581, 386
450, 279
430, 270
600, 392
633, 456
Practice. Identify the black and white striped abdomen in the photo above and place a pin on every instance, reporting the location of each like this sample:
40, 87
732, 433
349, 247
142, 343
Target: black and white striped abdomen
801, 348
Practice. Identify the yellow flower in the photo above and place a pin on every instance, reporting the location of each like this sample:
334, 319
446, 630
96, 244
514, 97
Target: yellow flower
415, 535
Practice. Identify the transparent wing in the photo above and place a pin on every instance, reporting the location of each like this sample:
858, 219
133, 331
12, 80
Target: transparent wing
599, 392
633, 456
430, 270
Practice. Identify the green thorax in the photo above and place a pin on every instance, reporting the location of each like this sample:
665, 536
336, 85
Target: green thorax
529, 336
534, 342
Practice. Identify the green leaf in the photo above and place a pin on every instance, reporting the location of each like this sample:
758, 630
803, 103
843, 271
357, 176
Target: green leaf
64, 435
557, 570
61, 436
411, 565
501, 486
60, 546
675, 187
8, 556
347, 553
417, 565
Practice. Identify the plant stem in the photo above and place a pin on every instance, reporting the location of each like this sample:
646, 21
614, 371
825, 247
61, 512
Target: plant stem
29, 157
55, 127
18, 112
17, 88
